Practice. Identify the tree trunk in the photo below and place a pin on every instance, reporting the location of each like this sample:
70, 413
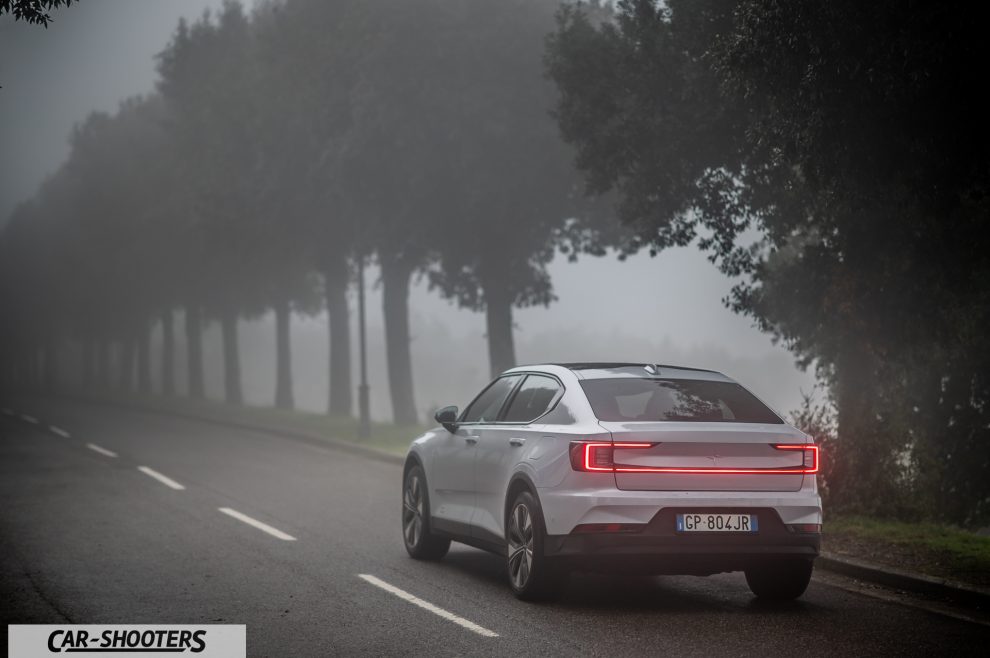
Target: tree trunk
194, 351
283, 356
231, 359
498, 317
863, 471
335, 279
395, 300
125, 375
144, 358
168, 353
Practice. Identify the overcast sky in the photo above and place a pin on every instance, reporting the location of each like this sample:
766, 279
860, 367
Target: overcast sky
94, 54
98, 52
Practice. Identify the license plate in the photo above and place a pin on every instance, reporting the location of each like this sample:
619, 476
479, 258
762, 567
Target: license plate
717, 523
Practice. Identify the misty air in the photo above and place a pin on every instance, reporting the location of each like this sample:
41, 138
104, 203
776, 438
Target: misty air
478, 327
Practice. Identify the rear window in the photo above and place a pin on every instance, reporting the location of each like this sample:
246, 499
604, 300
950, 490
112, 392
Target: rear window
621, 399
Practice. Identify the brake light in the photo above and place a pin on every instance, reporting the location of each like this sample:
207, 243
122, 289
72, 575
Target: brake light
598, 457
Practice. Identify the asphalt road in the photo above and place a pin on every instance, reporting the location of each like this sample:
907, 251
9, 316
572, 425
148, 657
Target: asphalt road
87, 537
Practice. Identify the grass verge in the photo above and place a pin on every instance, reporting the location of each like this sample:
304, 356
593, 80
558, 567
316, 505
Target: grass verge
929, 548
386, 437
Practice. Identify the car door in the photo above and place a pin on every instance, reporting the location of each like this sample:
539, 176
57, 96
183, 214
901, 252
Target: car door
452, 476
502, 445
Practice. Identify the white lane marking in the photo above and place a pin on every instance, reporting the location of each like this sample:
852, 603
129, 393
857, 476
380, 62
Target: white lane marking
255, 523
6, 412
426, 605
29, 419
106, 453
164, 479
58, 430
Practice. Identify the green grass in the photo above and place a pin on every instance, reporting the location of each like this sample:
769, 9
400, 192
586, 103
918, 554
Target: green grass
387, 437
931, 548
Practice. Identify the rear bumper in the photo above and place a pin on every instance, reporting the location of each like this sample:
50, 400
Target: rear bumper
660, 549
565, 507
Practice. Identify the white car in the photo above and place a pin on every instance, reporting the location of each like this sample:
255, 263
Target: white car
617, 466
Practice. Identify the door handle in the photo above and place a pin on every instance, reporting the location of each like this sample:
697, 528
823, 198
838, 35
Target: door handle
471, 440
515, 441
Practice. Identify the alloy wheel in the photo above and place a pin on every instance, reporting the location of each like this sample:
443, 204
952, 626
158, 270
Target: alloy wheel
520, 540
412, 511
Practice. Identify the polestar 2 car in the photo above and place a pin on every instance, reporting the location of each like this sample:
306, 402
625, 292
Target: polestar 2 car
615, 467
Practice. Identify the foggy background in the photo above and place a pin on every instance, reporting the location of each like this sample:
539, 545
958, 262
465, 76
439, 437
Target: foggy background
666, 309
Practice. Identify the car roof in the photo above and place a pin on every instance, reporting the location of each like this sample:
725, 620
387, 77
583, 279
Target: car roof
608, 369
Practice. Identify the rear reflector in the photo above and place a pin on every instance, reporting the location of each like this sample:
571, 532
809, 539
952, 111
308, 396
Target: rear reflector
805, 527
596, 528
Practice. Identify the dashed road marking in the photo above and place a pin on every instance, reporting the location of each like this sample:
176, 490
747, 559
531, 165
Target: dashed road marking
29, 419
255, 523
164, 479
107, 453
6, 412
426, 605
58, 430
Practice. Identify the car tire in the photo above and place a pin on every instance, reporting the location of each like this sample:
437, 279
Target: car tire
532, 575
419, 540
782, 581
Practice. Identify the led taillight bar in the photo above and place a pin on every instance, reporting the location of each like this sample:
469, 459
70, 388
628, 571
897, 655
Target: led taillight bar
599, 457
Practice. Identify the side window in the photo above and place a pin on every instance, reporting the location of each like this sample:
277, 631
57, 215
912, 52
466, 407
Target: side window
532, 399
486, 406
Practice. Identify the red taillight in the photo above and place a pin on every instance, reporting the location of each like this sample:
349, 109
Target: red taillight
598, 457
810, 461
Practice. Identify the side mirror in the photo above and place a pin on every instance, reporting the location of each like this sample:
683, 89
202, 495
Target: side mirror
447, 417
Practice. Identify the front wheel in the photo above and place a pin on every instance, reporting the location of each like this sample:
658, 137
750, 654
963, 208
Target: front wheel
420, 542
783, 581
532, 575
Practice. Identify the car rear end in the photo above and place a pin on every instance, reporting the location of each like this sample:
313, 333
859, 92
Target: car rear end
690, 474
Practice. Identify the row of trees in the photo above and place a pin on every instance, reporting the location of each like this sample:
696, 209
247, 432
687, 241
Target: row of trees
848, 135
282, 146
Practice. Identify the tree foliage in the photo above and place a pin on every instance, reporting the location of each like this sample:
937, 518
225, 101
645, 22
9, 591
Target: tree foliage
285, 142
37, 12
845, 135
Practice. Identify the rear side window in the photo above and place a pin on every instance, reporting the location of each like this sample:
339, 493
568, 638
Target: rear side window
639, 399
486, 406
533, 399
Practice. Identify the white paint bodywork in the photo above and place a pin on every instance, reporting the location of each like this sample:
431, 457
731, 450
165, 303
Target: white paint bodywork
469, 471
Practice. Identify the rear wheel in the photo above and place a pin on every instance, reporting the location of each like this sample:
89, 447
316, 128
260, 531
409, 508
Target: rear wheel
420, 542
532, 575
782, 581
